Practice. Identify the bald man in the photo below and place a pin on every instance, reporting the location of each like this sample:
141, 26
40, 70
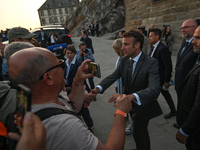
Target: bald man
189, 104
186, 57
41, 71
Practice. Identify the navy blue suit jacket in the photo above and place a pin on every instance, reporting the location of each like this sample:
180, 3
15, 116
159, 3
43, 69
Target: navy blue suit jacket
184, 64
40, 37
72, 72
163, 56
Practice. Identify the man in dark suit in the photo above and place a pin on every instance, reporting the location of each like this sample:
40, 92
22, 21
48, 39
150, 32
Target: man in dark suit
91, 27
97, 28
58, 40
42, 38
162, 54
140, 78
188, 116
87, 40
186, 58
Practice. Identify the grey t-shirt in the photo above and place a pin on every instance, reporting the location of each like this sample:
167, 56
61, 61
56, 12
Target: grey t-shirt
65, 131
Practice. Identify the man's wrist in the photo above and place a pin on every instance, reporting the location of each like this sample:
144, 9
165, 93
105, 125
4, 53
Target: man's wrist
78, 83
120, 113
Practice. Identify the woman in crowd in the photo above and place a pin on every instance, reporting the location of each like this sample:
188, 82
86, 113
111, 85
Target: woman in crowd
168, 38
117, 47
71, 67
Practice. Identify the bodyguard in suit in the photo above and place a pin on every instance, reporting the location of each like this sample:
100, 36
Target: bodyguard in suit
162, 54
140, 77
97, 28
188, 116
91, 27
186, 58
87, 40
42, 38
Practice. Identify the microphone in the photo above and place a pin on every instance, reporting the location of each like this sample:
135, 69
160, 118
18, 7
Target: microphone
57, 47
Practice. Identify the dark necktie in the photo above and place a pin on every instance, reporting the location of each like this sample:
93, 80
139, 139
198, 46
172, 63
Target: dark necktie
130, 73
198, 59
186, 45
151, 51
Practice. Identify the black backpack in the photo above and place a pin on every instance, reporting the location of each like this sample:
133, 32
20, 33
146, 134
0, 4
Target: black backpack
48, 112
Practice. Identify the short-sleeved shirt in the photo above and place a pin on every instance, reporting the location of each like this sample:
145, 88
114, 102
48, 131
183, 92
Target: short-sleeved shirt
66, 131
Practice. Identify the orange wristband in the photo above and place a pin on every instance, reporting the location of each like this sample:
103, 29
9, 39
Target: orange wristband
120, 113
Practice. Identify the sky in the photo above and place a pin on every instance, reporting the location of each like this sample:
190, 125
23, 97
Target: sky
14, 13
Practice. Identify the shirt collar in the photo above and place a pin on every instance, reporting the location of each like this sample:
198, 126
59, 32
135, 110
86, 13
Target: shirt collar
73, 61
137, 57
155, 45
190, 40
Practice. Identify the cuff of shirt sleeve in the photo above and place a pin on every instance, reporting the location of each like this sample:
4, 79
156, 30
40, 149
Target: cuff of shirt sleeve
100, 88
183, 133
137, 99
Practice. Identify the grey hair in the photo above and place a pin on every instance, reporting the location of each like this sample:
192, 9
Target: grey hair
14, 47
33, 69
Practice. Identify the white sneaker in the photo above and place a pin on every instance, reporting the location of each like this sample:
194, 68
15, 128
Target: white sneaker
129, 129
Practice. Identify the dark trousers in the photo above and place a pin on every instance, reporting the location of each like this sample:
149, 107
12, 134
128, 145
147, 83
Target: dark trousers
86, 116
91, 82
97, 32
193, 142
169, 100
140, 133
44, 44
92, 32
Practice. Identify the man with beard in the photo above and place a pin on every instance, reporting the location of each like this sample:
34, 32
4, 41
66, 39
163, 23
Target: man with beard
189, 104
186, 57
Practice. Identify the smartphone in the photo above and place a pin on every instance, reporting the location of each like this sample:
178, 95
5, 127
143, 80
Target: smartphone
23, 104
94, 69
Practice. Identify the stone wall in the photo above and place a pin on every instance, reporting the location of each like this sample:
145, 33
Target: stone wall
168, 12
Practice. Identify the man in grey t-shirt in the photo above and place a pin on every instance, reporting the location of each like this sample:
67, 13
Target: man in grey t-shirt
41, 71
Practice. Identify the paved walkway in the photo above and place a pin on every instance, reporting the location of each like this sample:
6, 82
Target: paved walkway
162, 133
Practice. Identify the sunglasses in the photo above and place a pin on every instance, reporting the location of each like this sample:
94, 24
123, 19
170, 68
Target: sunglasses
61, 64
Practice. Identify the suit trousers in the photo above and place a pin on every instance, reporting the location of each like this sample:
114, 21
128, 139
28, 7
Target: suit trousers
169, 100
193, 142
44, 44
140, 133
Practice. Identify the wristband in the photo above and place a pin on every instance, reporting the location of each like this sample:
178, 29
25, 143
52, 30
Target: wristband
120, 113
77, 84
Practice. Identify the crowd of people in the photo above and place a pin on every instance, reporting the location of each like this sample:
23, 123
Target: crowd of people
143, 70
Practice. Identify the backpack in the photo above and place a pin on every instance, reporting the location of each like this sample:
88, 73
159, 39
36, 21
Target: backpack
3, 136
48, 112
3, 129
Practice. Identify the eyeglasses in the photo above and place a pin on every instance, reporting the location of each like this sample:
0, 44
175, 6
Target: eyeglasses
61, 64
186, 27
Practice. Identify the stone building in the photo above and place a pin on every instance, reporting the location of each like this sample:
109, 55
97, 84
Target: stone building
54, 12
161, 12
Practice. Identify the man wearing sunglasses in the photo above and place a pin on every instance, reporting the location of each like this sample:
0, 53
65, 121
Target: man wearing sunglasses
41, 71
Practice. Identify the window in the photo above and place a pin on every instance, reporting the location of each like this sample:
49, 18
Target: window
47, 5
49, 12
60, 11
54, 12
50, 20
66, 10
60, 4
43, 21
41, 13
55, 20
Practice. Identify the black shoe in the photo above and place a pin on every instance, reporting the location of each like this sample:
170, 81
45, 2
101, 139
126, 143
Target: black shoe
176, 125
169, 115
